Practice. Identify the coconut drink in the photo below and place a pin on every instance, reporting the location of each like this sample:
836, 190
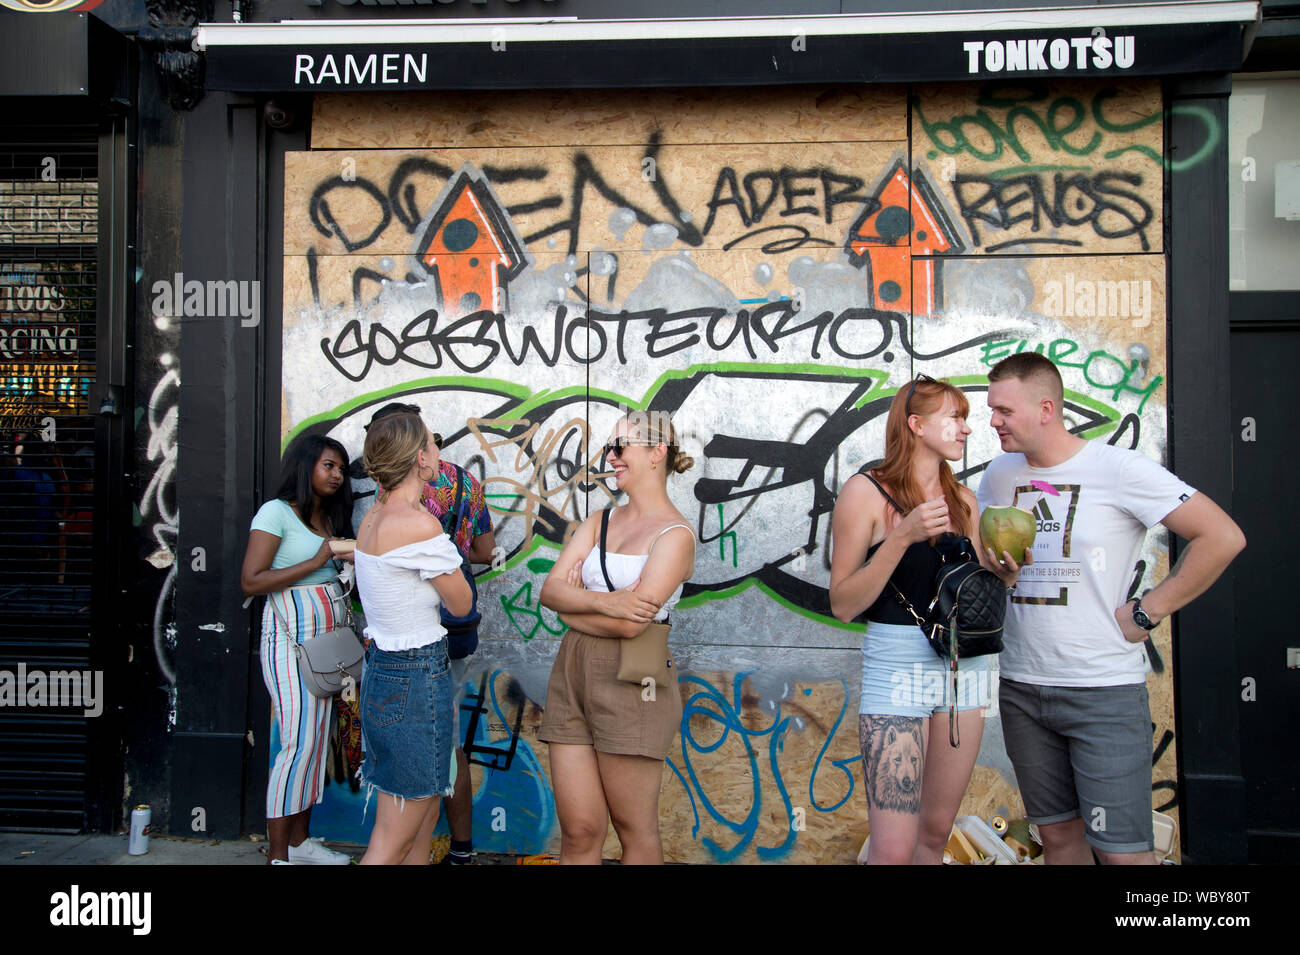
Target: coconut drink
1009, 529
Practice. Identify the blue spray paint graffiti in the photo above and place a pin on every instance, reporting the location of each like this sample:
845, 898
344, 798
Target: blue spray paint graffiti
519, 799
710, 702
514, 809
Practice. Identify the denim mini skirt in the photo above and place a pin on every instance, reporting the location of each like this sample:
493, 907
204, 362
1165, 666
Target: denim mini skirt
406, 721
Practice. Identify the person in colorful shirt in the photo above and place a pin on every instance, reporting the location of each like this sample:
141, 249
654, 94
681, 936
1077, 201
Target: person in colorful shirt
455, 497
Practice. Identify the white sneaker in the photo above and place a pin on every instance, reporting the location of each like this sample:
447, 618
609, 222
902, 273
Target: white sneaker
313, 851
280, 862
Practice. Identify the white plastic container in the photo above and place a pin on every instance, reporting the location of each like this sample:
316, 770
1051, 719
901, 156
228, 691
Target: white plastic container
983, 838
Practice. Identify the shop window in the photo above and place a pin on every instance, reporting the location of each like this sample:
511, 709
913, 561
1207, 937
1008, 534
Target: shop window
1264, 184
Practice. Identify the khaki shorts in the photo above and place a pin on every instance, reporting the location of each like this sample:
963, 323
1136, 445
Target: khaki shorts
586, 703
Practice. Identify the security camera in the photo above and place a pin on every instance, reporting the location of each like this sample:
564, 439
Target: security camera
278, 115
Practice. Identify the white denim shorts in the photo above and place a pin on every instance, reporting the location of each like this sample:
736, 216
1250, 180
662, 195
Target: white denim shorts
903, 676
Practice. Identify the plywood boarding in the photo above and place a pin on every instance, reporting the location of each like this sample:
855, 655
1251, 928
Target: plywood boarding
805, 802
615, 198
354, 325
587, 118
558, 230
1075, 166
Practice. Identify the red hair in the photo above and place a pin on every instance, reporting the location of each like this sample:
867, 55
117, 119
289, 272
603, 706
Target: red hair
895, 472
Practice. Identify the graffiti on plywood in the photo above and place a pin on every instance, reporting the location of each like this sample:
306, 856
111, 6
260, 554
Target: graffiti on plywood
772, 300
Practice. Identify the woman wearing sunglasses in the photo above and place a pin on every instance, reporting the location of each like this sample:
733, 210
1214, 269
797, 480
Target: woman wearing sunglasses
883, 529
407, 568
608, 739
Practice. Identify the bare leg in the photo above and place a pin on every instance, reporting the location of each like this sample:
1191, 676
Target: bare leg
277, 835
301, 827
283, 830
631, 786
947, 774
460, 805
419, 854
579, 803
1063, 843
397, 823
1126, 858
893, 757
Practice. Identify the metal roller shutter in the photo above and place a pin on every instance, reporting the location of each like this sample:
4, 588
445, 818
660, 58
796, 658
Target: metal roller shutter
48, 232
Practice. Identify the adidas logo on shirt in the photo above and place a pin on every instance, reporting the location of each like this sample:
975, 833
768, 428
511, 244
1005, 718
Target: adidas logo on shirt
1043, 515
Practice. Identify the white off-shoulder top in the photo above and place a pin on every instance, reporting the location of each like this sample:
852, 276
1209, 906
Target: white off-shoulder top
626, 568
401, 605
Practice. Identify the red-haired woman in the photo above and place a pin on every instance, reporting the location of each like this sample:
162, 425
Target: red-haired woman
885, 523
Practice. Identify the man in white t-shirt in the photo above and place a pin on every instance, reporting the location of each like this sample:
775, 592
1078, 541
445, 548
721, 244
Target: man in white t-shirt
1073, 696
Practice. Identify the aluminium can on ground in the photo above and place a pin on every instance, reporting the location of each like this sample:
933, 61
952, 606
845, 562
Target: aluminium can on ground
140, 819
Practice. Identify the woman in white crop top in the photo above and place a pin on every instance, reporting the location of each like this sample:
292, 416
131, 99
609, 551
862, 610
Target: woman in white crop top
608, 738
406, 568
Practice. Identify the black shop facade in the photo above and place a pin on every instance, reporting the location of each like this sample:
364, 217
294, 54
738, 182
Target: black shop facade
524, 216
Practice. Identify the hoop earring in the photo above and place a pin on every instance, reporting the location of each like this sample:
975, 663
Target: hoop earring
419, 472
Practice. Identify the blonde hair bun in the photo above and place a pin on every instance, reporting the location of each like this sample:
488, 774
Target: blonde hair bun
656, 428
392, 445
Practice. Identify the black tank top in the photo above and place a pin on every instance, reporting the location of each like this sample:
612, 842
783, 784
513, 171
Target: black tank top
914, 576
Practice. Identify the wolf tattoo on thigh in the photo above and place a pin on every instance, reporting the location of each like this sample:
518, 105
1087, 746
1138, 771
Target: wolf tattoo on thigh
893, 756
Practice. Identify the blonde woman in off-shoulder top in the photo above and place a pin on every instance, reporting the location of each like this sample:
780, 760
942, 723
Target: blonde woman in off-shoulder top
608, 742
406, 568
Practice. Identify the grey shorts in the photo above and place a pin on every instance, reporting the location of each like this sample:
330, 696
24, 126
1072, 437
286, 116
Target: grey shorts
1083, 751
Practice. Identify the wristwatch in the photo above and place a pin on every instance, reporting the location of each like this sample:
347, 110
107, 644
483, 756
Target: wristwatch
1140, 616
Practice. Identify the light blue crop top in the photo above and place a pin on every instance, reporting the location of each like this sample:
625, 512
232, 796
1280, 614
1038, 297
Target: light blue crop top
298, 542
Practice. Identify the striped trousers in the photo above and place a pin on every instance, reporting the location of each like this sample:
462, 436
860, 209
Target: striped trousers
297, 779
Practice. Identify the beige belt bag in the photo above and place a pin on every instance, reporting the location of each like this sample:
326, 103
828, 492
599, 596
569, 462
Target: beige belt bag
645, 656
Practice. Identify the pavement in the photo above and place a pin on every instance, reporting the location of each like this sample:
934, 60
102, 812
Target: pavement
23, 848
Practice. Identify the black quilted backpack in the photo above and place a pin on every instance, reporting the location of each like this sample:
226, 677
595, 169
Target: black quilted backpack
964, 618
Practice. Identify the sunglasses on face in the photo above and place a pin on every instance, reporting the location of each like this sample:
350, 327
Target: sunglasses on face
618, 444
907, 405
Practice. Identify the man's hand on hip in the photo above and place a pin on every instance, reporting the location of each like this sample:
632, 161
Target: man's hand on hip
1132, 632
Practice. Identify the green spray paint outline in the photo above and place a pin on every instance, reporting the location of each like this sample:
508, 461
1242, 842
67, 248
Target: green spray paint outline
1043, 167
1213, 133
1004, 133
697, 600
700, 599
517, 391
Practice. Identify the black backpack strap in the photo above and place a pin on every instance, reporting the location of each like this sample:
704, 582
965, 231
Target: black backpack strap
460, 486
455, 506
907, 604
867, 474
604, 532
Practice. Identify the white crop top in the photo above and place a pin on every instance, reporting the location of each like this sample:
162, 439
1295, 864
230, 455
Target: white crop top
624, 569
401, 605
